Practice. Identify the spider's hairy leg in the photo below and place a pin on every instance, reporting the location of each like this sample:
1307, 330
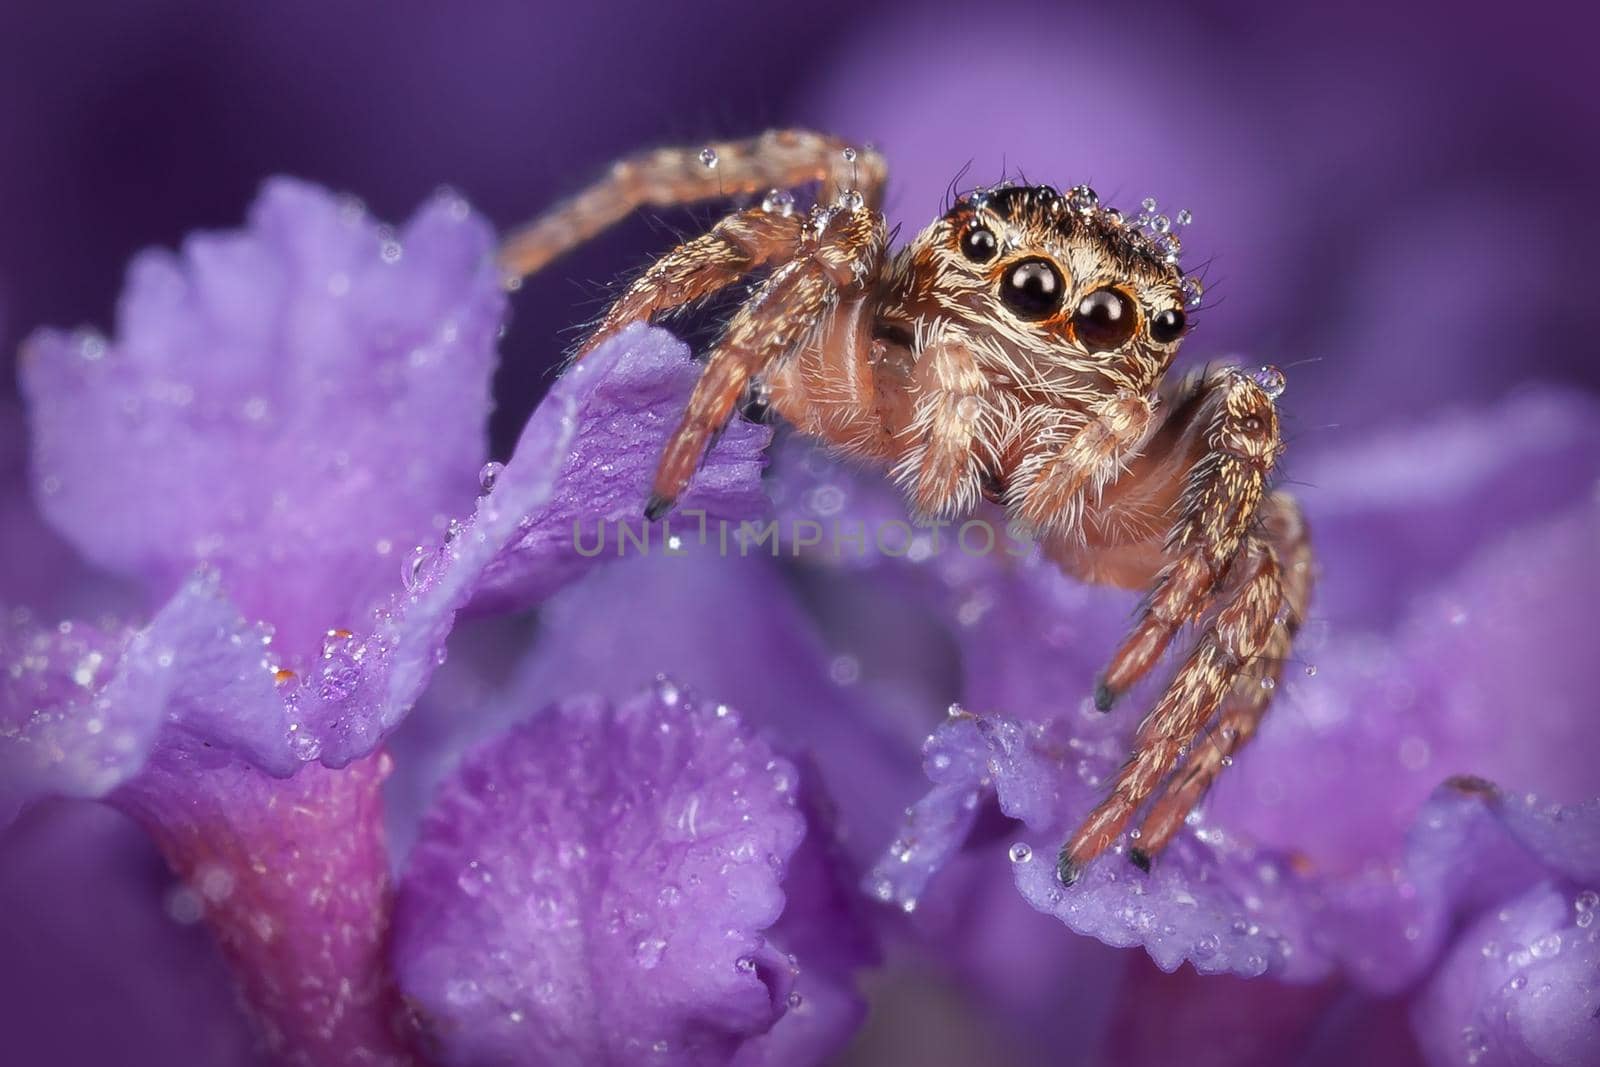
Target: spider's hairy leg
1283, 534
741, 243
1226, 429
952, 430
668, 177
787, 309
1049, 490
1220, 495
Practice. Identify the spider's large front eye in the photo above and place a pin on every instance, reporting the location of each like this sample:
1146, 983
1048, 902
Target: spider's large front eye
1033, 289
979, 245
1105, 319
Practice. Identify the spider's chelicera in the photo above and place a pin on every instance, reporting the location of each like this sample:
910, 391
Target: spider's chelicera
1016, 349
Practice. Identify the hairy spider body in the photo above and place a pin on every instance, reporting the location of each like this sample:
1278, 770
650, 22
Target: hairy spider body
1016, 350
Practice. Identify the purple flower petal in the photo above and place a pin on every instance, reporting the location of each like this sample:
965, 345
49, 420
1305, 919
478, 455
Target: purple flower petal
292, 877
1521, 986
605, 476
605, 885
292, 402
79, 711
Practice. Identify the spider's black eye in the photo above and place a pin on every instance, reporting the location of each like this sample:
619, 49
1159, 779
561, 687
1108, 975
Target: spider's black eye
1167, 326
1033, 289
1105, 319
979, 245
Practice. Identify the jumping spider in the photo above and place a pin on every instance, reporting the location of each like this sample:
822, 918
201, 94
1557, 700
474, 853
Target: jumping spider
1016, 351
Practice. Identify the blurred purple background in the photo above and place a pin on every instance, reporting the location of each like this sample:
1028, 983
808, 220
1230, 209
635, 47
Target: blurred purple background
1396, 206
1401, 196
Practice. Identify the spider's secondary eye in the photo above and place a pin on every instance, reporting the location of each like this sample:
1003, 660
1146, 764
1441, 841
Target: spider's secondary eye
1167, 326
1105, 319
1033, 289
979, 245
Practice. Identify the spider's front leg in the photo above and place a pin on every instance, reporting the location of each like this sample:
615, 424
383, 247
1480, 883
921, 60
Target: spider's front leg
837, 249
669, 177
1241, 567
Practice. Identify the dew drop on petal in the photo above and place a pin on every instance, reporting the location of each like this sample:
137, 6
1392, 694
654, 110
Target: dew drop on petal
488, 474
1021, 853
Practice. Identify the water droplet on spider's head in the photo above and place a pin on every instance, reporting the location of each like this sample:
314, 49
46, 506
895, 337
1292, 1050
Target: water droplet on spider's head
488, 474
708, 158
1160, 223
778, 202
1082, 199
1193, 291
1272, 380
1149, 204
1183, 217
968, 408
852, 200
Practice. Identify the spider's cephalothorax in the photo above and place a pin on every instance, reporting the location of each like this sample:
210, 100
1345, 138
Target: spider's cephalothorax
1016, 349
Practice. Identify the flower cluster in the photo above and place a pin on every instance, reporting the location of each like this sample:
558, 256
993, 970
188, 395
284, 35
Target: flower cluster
671, 815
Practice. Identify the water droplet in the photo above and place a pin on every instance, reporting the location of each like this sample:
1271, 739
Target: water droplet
667, 692
488, 474
1311, 670
745, 965
1271, 380
411, 569
968, 409
1268, 683
1021, 853
1183, 217
648, 952
1160, 224
908, 904
852, 200
849, 155
1227, 761
1193, 291
778, 201
1149, 205
794, 1000
1083, 199
1546, 946
708, 158
391, 251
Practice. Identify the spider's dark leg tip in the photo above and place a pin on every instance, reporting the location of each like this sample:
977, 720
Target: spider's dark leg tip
1067, 872
1104, 698
656, 507
1140, 859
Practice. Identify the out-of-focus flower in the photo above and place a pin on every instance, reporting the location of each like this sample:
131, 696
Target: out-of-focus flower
283, 412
